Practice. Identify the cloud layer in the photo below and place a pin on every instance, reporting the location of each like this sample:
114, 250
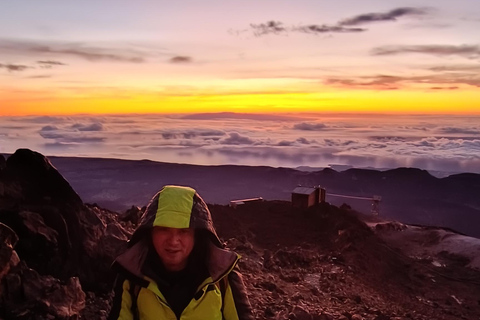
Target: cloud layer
429, 142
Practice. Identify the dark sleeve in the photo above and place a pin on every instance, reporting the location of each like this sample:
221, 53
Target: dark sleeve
236, 303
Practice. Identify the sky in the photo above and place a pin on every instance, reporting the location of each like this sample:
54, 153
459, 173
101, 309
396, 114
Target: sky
270, 56
366, 83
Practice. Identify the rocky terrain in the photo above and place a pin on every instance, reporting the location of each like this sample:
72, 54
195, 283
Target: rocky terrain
326, 262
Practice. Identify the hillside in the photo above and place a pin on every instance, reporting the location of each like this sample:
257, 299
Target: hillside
322, 263
408, 194
327, 261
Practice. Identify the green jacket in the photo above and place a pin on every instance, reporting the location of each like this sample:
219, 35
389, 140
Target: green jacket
222, 293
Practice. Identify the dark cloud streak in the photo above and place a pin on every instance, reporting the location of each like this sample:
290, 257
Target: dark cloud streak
41, 76
310, 126
181, 59
92, 54
381, 82
386, 82
14, 67
327, 29
276, 27
343, 26
239, 116
444, 88
456, 68
48, 64
391, 15
465, 51
270, 27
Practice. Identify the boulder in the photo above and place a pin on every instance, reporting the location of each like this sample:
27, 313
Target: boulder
24, 293
32, 184
29, 295
8, 256
58, 235
37, 180
133, 215
300, 313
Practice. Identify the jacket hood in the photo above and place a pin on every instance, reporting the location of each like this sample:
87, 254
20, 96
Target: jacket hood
176, 207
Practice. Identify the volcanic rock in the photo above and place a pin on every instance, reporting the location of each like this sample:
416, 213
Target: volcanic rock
322, 263
2, 162
28, 295
58, 235
8, 256
33, 178
132, 215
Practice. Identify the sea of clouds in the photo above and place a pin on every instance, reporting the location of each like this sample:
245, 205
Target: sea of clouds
437, 143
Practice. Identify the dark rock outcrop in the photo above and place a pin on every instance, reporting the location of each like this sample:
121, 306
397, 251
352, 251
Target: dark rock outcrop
8, 256
29, 295
132, 215
2, 162
26, 294
31, 178
37, 199
62, 245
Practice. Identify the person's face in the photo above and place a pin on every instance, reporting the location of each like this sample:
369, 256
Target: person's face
173, 246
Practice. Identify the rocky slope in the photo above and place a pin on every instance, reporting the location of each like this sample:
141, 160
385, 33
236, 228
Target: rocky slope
326, 263
55, 246
322, 263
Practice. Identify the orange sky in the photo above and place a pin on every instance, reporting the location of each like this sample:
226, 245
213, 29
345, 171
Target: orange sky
454, 101
303, 56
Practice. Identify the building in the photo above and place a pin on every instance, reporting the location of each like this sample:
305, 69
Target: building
304, 197
236, 203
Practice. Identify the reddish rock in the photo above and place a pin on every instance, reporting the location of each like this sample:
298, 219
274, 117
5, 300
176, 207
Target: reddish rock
8, 256
133, 215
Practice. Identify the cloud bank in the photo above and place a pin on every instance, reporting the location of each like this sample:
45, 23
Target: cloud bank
429, 142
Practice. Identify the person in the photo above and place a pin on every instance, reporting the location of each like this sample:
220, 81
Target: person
176, 267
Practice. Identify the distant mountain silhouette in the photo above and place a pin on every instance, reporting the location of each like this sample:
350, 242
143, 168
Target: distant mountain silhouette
408, 194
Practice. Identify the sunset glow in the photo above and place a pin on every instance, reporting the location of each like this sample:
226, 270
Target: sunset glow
369, 83
157, 57
464, 102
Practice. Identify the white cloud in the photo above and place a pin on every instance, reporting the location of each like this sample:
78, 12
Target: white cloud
71, 134
434, 143
236, 138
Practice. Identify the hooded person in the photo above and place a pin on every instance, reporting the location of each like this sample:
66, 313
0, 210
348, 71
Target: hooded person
176, 267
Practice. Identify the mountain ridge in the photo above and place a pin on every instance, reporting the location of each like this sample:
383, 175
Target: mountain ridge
409, 195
